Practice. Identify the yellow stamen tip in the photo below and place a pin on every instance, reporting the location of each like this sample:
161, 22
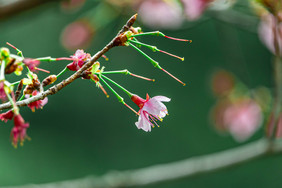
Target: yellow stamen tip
182, 58
107, 96
184, 84
153, 80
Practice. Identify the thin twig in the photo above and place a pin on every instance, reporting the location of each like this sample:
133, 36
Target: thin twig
235, 18
171, 171
53, 90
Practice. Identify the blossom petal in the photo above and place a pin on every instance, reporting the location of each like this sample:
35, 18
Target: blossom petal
161, 98
155, 107
143, 122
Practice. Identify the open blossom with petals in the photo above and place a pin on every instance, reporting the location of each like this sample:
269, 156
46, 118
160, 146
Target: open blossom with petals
195, 8
19, 130
31, 63
79, 59
36, 104
7, 116
151, 110
242, 119
160, 13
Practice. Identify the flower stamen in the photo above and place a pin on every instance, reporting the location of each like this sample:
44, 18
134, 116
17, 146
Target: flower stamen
130, 108
43, 70
173, 77
172, 38
144, 78
181, 58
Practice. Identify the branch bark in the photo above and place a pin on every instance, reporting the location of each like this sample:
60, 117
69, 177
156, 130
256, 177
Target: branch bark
171, 171
54, 89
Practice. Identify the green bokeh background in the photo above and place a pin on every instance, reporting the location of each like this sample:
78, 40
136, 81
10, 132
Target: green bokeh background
81, 132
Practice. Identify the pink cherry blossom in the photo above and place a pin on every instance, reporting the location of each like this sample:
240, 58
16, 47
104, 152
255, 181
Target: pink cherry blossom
31, 63
242, 119
160, 13
195, 8
7, 116
3, 95
36, 104
19, 130
151, 110
79, 59
266, 34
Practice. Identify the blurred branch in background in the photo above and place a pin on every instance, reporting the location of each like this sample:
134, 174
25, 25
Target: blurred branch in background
11, 7
172, 171
239, 19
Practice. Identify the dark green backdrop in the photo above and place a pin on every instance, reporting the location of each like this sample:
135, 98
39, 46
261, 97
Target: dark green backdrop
81, 132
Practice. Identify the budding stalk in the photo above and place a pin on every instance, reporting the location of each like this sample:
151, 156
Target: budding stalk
49, 80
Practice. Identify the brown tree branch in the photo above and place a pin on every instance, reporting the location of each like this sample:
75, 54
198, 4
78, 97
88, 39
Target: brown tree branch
15, 7
171, 171
54, 89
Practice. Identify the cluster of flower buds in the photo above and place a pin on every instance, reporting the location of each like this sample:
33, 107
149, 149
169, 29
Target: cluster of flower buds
30, 87
238, 110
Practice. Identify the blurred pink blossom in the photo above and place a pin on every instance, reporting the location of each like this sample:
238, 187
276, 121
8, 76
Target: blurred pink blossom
279, 127
160, 13
266, 34
77, 35
68, 5
195, 8
223, 83
242, 119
